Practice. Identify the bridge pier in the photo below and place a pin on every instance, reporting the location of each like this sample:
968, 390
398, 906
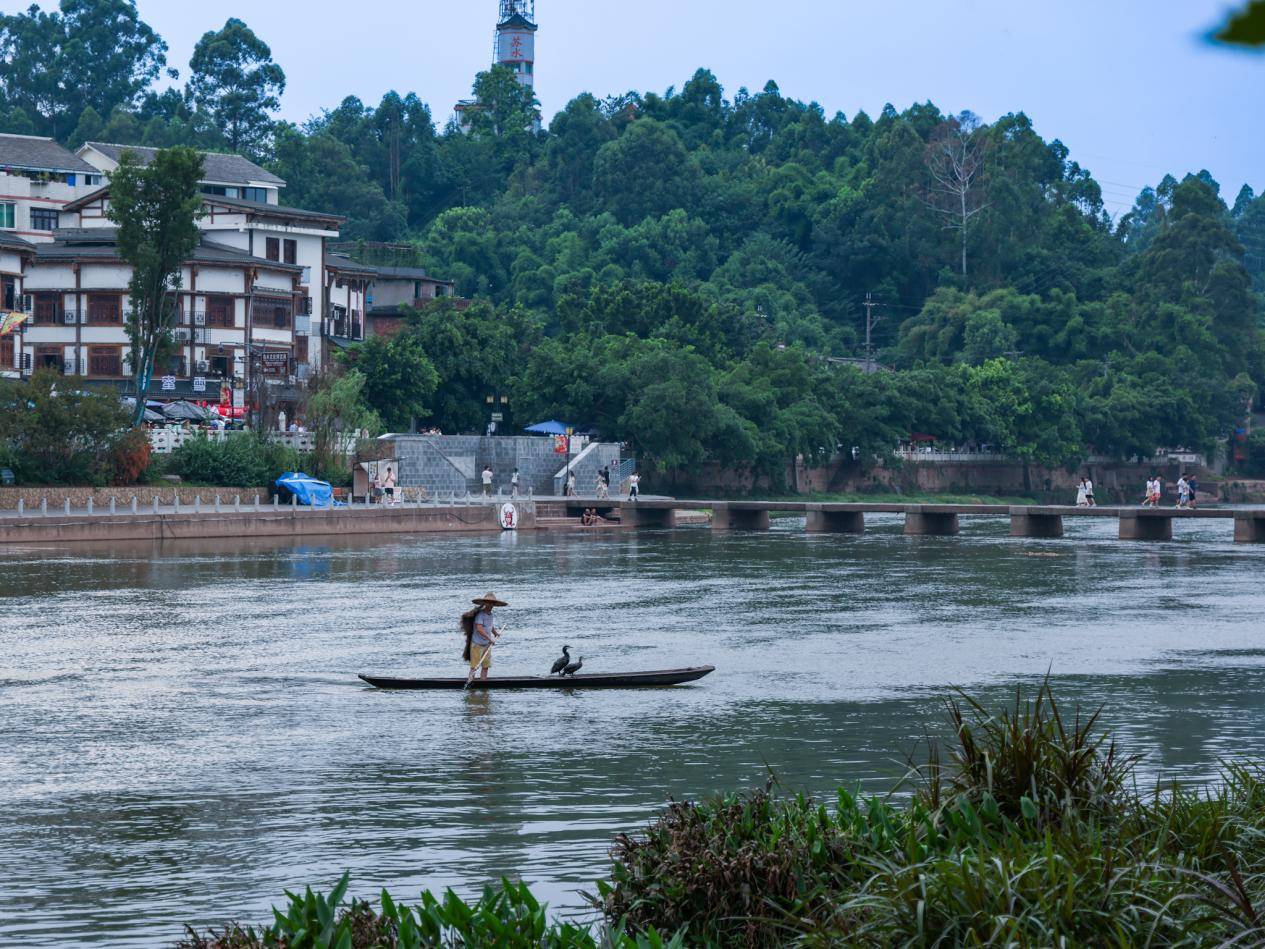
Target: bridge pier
726, 518
655, 518
834, 522
1027, 524
931, 523
1136, 526
1249, 528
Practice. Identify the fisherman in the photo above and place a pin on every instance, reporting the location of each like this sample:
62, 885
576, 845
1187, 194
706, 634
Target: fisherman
481, 634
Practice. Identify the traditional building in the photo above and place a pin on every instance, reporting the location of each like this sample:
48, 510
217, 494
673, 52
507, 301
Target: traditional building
232, 306
38, 178
16, 255
262, 300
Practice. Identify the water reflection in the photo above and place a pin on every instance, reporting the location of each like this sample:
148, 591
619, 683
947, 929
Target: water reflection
182, 734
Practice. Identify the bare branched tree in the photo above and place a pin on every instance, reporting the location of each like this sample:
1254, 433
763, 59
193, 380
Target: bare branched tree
955, 159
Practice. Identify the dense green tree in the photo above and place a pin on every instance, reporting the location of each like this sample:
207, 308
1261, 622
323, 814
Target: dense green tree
233, 80
646, 171
399, 380
96, 53
155, 208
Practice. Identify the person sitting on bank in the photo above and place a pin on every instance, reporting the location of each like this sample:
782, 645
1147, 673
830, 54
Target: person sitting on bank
481, 634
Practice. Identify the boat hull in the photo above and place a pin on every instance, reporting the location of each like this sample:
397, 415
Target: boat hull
611, 680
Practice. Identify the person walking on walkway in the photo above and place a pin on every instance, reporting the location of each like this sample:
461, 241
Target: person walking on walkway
634, 486
487, 481
514, 484
1192, 488
1082, 496
481, 634
1089, 492
603, 489
1183, 492
569, 491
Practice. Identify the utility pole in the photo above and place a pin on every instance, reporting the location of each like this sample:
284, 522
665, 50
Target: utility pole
870, 323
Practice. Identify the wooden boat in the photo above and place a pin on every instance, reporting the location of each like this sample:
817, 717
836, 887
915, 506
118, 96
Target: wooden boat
601, 680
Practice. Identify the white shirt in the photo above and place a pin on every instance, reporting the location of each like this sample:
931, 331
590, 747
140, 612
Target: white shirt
487, 476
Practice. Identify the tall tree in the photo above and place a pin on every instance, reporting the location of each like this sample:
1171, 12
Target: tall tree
233, 79
955, 161
156, 207
96, 53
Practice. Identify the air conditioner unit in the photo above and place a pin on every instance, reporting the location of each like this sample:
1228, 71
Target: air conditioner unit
199, 319
182, 335
69, 317
202, 365
68, 367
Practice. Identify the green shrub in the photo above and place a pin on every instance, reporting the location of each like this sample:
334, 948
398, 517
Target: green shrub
57, 434
508, 917
240, 460
1031, 832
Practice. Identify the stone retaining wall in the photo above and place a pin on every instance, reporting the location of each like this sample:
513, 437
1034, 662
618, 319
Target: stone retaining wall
270, 522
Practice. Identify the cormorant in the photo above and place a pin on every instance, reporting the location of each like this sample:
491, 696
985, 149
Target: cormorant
574, 667
563, 662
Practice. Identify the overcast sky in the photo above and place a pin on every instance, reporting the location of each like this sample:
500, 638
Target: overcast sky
1128, 85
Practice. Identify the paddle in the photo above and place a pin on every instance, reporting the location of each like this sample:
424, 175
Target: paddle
487, 657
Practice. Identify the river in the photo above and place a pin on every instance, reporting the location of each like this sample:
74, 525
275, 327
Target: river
182, 735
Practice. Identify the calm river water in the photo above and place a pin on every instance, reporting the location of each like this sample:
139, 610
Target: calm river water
182, 734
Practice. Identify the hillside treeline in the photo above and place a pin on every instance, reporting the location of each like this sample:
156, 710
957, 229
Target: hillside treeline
688, 270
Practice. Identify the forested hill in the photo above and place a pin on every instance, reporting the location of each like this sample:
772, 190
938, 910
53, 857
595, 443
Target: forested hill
676, 268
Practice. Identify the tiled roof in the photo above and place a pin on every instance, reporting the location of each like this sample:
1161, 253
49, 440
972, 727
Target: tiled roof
253, 207
273, 210
86, 200
100, 243
219, 167
39, 154
13, 242
344, 264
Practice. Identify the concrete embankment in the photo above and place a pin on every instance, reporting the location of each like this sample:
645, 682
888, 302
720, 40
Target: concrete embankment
170, 524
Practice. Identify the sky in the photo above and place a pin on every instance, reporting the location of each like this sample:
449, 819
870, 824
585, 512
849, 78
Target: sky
1130, 86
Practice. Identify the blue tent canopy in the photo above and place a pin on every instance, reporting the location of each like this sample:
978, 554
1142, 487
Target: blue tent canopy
552, 427
307, 489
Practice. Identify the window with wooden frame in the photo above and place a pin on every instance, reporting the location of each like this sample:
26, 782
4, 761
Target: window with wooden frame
273, 313
47, 307
291, 250
105, 361
10, 294
7, 351
300, 349
48, 357
219, 312
272, 248
105, 308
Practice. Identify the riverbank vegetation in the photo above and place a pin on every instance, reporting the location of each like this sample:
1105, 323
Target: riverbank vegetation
688, 271
1029, 826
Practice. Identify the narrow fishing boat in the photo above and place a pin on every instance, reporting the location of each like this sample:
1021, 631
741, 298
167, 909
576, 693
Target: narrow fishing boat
607, 680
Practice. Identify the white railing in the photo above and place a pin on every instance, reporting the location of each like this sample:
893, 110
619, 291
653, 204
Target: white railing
163, 441
916, 454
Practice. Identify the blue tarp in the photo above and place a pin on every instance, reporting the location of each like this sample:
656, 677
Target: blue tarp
307, 489
552, 427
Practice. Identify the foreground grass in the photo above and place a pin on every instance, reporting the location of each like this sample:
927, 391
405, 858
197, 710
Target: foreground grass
1028, 830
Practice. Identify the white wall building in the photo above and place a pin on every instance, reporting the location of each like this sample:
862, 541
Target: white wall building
37, 179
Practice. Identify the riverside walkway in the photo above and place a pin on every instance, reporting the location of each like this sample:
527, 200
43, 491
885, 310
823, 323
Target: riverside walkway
237, 516
1136, 523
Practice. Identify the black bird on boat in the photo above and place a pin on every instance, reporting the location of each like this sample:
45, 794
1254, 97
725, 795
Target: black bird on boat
563, 662
572, 668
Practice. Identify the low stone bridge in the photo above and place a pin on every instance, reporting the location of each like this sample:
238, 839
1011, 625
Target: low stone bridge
1136, 523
